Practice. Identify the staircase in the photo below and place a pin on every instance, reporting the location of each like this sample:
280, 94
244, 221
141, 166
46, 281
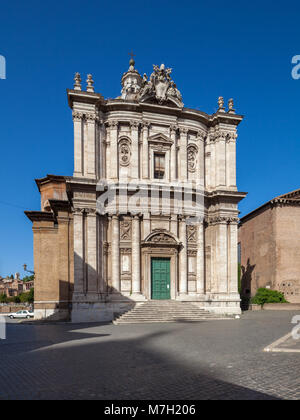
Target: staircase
165, 311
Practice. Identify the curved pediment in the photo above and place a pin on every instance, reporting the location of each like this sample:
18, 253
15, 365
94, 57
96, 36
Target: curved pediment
161, 237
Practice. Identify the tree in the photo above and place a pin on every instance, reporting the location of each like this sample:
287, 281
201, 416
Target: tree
27, 297
28, 278
31, 295
3, 298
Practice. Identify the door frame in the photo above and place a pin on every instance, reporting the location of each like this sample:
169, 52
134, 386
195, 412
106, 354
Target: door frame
151, 286
147, 254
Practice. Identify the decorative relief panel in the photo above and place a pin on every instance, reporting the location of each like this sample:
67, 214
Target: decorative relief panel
192, 158
125, 230
125, 263
192, 233
124, 152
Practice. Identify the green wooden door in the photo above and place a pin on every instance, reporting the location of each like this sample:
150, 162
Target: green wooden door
160, 278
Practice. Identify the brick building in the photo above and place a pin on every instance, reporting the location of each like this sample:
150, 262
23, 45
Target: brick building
269, 243
14, 286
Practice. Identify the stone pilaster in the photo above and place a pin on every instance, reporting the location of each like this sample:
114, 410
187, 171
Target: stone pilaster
78, 143
183, 257
173, 130
145, 150
233, 255
113, 150
220, 255
174, 224
136, 257
115, 253
79, 251
107, 151
183, 153
231, 160
220, 159
91, 145
135, 161
200, 160
200, 259
146, 225
92, 250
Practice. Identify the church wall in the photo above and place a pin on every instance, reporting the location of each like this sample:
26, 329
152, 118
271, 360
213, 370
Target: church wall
287, 279
116, 140
257, 237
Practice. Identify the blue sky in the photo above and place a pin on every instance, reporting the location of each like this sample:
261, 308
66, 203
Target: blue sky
234, 49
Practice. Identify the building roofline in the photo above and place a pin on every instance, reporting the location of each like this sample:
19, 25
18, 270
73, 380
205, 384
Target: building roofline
50, 178
280, 199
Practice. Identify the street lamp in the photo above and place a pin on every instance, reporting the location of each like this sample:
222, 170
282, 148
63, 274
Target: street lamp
28, 271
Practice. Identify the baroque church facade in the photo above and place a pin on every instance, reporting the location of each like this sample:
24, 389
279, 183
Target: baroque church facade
151, 211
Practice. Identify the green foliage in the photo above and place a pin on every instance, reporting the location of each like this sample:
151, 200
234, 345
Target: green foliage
31, 296
3, 298
27, 297
28, 278
240, 278
268, 296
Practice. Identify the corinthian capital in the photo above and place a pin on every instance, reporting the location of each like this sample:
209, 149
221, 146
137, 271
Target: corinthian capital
91, 117
145, 125
134, 124
113, 124
183, 131
77, 116
173, 128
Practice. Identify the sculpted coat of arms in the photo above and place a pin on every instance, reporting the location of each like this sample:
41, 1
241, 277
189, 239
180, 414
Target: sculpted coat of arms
160, 87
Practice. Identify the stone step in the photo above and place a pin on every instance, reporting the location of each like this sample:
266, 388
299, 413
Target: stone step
149, 321
165, 311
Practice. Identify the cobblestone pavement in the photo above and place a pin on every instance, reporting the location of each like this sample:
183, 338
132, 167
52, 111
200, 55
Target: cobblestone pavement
206, 360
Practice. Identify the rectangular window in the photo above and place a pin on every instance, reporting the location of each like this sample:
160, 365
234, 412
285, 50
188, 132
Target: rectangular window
159, 165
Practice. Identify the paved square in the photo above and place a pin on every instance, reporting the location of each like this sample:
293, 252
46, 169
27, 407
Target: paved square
206, 360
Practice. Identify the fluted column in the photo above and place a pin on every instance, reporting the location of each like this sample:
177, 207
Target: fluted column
173, 130
183, 257
136, 257
114, 161
115, 253
200, 258
145, 164
135, 149
78, 143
